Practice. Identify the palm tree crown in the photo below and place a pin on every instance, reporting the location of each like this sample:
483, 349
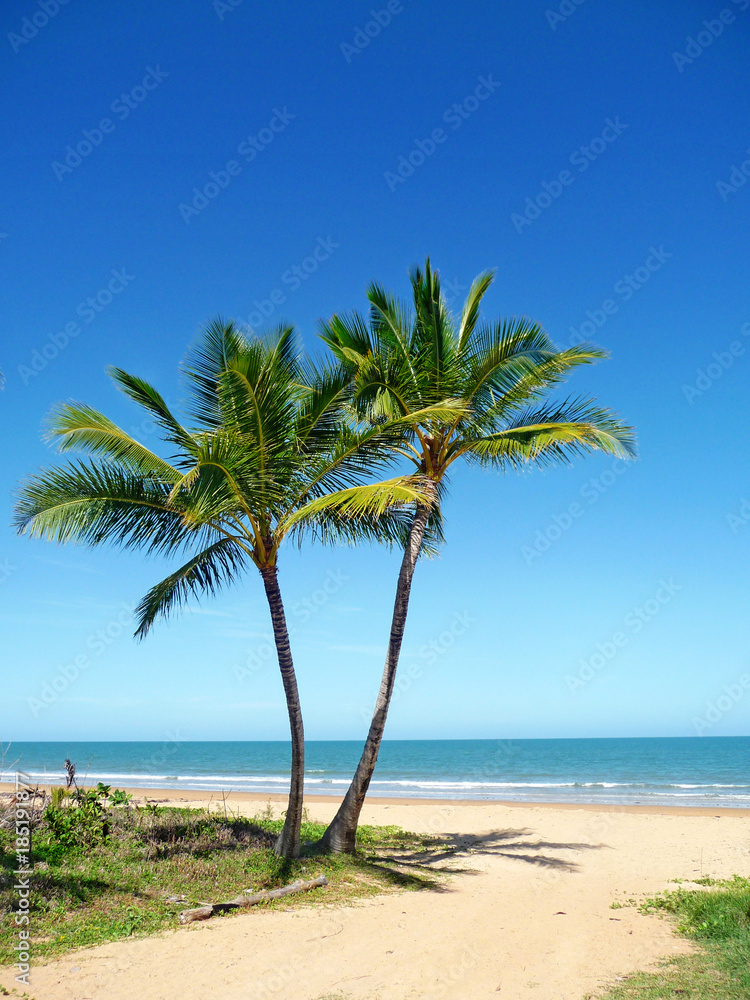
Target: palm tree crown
481, 386
272, 454
455, 388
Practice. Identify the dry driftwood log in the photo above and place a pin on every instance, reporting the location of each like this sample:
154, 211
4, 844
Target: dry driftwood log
246, 899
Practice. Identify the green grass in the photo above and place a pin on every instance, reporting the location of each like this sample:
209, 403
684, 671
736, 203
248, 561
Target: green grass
717, 918
120, 887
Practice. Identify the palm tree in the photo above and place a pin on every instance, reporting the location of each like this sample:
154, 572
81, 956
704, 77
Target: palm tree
484, 388
271, 457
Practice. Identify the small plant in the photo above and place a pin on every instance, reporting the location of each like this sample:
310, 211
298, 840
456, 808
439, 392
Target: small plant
58, 795
134, 922
82, 820
120, 798
267, 815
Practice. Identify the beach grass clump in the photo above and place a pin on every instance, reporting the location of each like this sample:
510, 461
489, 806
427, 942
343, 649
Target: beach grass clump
717, 918
102, 872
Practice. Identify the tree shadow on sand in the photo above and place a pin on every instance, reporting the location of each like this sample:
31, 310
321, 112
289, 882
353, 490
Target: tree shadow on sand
442, 853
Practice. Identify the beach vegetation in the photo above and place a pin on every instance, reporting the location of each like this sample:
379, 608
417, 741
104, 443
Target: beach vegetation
123, 871
716, 918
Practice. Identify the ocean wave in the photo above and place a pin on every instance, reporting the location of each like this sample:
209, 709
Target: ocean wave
323, 780
417, 783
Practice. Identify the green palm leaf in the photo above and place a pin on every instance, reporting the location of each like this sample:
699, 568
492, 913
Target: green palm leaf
206, 573
372, 500
472, 305
75, 426
93, 503
146, 396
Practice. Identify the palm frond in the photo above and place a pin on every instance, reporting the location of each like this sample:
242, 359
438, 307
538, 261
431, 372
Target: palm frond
206, 573
146, 396
441, 413
434, 338
348, 337
552, 433
324, 406
219, 342
97, 503
504, 381
229, 480
371, 500
472, 305
76, 426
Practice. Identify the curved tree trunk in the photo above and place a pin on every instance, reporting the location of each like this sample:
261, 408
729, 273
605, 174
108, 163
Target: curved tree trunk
342, 832
288, 842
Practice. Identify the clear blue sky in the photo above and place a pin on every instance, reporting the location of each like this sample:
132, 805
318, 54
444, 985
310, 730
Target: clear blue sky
318, 125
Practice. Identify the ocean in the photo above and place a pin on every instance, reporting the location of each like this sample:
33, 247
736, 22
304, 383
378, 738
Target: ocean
695, 771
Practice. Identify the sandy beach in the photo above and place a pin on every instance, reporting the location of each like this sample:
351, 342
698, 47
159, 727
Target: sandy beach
528, 915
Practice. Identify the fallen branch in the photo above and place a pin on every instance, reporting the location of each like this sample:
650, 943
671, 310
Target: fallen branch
246, 899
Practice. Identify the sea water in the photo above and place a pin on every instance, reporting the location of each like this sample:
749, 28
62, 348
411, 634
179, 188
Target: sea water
695, 771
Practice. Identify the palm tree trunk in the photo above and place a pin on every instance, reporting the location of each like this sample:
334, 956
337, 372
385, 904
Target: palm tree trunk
288, 842
341, 834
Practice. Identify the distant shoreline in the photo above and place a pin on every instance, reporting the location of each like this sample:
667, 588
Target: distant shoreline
203, 797
652, 773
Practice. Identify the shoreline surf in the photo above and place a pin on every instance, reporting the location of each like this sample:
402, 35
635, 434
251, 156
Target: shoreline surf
256, 800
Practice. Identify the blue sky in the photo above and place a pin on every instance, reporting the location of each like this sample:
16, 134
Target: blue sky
591, 153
